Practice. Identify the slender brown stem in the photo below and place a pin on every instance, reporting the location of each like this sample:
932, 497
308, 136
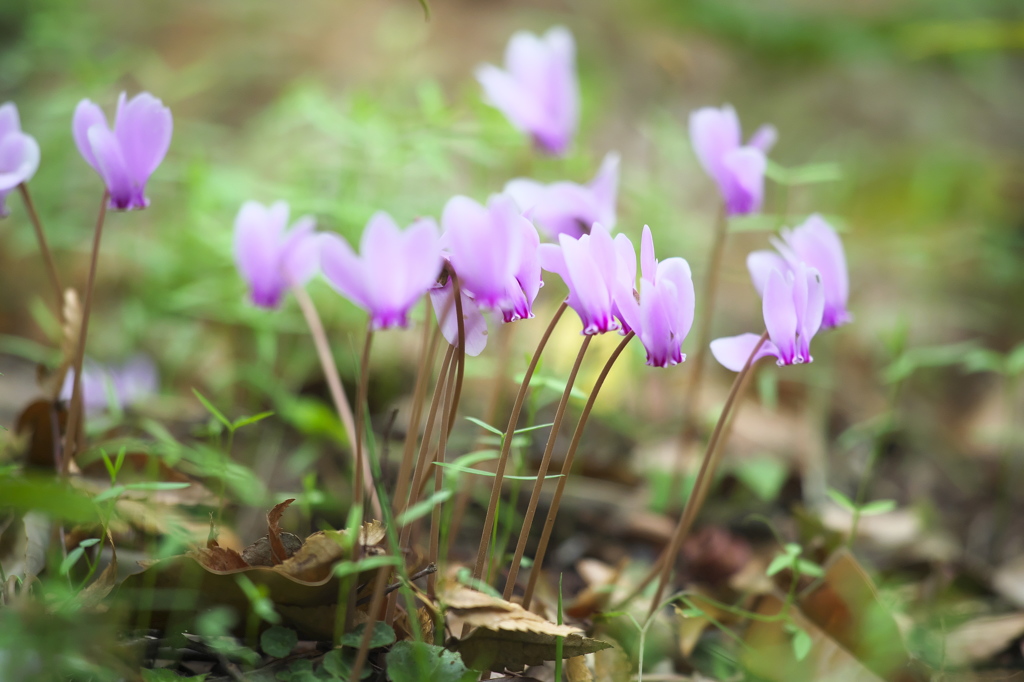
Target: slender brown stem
549, 522
506, 447
428, 429
364, 385
72, 438
704, 477
380, 584
705, 309
330, 370
428, 352
44, 248
542, 470
435, 513
461, 350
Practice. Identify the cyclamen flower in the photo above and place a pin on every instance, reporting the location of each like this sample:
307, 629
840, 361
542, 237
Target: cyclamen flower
593, 267
569, 208
474, 325
126, 156
816, 243
537, 91
270, 257
493, 250
737, 169
124, 385
393, 270
664, 314
19, 154
793, 305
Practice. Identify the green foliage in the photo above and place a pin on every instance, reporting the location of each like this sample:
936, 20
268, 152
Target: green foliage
422, 662
382, 635
278, 641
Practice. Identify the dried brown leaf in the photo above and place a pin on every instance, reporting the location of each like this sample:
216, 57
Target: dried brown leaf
978, 640
576, 670
487, 649
278, 553
99, 588
216, 558
477, 609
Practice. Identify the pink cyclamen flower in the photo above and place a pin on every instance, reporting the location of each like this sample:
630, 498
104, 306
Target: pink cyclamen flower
664, 313
19, 154
474, 325
493, 250
793, 304
737, 169
593, 267
816, 243
569, 208
271, 257
120, 385
126, 156
537, 91
393, 270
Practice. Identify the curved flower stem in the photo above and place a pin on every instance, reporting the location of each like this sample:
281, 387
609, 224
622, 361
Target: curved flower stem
442, 378
549, 523
705, 307
364, 384
506, 447
44, 248
330, 370
435, 514
73, 437
427, 356
704, 478
542, 470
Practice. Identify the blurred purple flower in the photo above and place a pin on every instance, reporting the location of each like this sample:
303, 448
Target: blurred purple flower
474, 324
816, 243
738, 169
120, 385
493, 250
537, 91
126, 156
569, 208
593, 267
19, 154
664, 313
270, 257
393, 270
793, 304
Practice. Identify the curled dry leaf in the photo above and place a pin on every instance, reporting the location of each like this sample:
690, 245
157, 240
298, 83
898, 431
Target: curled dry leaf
487, 649
278, 553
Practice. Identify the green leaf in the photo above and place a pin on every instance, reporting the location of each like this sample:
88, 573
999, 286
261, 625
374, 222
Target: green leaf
484, 425
810, 568
278, 641
422, 662
877, 507
50, 496
527, 429
1015, 360
764, 476
778, 563
71, 559
467, 470
842, 500
245, 421
212, 410
167, 675
368, 564
115, 491
382, 636
802, 644
808, 174
423, 507
338, 662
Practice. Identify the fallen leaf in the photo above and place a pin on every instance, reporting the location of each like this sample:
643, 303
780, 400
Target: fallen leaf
576, 670
612, 664
978, 640
487, 649
466, 606
99, 588
278, 553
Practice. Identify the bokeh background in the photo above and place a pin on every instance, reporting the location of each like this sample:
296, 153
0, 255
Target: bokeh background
900, 120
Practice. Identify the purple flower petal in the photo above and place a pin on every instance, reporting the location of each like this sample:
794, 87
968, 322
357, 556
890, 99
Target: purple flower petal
113, 168
143, 127
738, 170
19, 159
87, 115
713, 134
760, 264
485, 244
764, 138
474, 325
745, 186
780, 318
732, 352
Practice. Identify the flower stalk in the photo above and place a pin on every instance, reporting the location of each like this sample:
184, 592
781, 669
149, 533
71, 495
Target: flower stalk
549, 523
44, 248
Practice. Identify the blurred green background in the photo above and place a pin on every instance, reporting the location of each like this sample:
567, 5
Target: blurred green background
344, 108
